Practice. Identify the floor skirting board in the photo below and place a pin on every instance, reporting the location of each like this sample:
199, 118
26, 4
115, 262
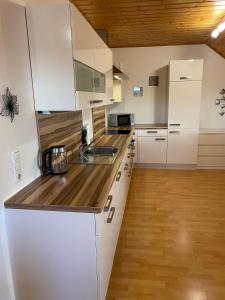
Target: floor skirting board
165, 166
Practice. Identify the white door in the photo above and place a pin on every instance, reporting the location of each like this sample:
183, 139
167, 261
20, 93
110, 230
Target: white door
184, 104
152, 149
184, 70
182, 146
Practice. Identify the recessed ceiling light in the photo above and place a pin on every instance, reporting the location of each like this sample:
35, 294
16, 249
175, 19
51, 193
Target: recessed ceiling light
221, 27
215, 33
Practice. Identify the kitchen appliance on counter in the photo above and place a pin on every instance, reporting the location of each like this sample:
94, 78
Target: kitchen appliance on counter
121, 119
54, 160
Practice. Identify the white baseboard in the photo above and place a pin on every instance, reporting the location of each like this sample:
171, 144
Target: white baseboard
165, 166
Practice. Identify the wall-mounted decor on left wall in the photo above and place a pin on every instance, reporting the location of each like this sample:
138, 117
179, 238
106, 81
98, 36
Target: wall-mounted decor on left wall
10, 106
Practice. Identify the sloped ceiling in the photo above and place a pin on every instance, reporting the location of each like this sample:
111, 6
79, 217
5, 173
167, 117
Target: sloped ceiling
140, 23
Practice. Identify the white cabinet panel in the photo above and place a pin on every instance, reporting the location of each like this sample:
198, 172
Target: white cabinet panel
152, 149
184, 70
49, 32
152, 132
184, 104
182, 146
83, 38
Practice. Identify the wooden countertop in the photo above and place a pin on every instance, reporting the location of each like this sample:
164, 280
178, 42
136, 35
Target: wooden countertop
84, 188
152, 126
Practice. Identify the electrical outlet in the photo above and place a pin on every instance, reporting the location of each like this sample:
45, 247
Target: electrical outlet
17, 166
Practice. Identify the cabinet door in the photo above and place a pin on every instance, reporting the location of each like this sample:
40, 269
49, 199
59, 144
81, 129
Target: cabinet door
49, 31
184, 104
83, 38
184, 70
182, 146
152, 149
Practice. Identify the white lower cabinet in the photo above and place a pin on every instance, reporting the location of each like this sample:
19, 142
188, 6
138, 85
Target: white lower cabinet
152, 146
182, 146
67, 255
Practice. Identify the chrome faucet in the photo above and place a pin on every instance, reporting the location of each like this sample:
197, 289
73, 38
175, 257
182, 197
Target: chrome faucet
82, 149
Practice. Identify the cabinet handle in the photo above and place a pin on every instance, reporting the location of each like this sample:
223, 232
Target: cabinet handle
118, 176
152, 131
111, 215
160, 139
108, 203
174, 124
185, 77
174, 131
128, 156
133, 155
112, 100
96, 101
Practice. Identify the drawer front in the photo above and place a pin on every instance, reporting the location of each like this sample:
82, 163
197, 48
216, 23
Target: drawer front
186, 70
152, 150
152, 132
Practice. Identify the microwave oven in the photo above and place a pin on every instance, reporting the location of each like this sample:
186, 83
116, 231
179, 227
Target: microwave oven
117, 120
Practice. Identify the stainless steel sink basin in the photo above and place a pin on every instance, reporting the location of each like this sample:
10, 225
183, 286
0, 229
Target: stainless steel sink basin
92, 150
94, 155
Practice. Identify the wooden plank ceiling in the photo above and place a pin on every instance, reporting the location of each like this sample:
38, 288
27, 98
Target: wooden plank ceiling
140, 23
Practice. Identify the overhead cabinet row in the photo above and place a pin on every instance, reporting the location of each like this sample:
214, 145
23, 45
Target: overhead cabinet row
71, 65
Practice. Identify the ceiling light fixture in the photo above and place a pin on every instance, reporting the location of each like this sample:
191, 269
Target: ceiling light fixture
215, 33
220, 28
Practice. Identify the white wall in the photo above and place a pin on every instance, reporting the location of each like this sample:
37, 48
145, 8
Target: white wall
140, 63
22, 133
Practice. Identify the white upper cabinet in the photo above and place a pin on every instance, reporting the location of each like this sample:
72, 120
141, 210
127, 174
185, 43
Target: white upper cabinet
83, 38
71, 65
89, 49
184, 70
184, 104
49, 33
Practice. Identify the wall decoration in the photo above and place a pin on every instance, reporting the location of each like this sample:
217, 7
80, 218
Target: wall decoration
153, 81
10, 107
138, 91
221, 102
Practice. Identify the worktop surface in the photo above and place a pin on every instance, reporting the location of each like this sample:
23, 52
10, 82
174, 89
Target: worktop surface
84, 188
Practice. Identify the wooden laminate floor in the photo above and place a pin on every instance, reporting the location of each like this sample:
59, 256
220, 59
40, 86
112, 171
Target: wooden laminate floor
172, 241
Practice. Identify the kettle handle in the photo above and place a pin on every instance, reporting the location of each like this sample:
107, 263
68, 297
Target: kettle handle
46, 166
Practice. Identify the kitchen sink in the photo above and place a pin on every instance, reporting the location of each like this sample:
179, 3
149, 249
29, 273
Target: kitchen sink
95, 155
92, 150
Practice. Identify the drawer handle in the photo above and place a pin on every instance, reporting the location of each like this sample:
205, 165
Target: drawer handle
160, 139
111, 215
96, 101
174, 124
118, 176
112, 100
152, 131
174, 131
185, 77
108, 203
128, 156
133, 155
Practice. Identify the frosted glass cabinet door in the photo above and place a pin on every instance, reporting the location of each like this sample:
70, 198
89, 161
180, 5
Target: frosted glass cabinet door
84, 77
184, 104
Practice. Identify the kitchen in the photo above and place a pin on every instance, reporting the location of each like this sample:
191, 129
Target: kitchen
147, 225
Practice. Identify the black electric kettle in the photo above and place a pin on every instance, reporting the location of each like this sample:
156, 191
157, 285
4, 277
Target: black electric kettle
54, 160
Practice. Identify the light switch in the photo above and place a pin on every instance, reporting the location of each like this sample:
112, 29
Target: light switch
17, 166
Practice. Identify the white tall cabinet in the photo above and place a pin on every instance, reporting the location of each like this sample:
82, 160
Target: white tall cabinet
59, 36
185, 84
